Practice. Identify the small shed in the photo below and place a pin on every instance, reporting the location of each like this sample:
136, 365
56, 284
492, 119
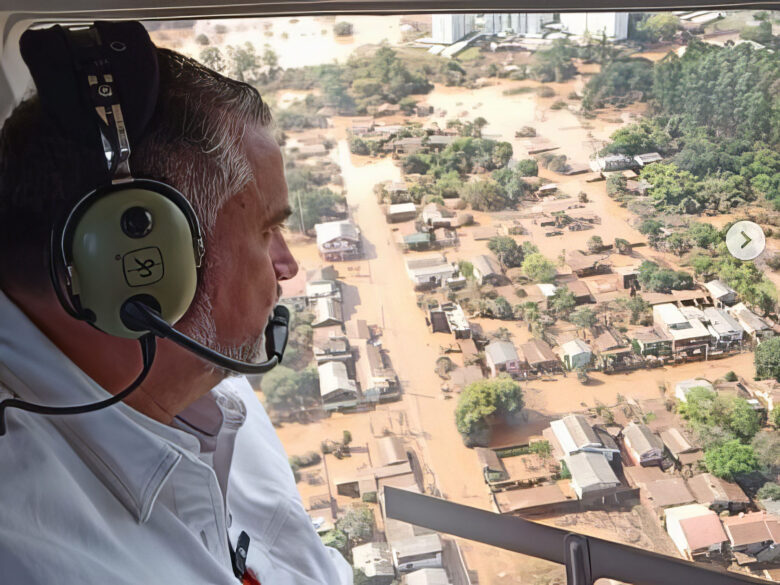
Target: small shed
642, 445
401, 212
493, 468
501, 356
540, 356
576, 354
486, 269
591, 474
721, 293
387, 451
426, 577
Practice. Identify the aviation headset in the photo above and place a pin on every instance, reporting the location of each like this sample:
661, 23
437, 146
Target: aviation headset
126, 257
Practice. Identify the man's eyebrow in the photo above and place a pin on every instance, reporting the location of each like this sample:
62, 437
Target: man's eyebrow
280, 216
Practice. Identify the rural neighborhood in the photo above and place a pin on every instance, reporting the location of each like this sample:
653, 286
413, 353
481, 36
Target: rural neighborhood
514, 287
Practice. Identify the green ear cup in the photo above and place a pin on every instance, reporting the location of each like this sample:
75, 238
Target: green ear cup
132, 242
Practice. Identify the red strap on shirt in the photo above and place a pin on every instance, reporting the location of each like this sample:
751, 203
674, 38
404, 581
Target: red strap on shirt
249, 578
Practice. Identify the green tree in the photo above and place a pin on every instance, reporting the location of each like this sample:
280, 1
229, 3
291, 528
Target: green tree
766, 445
762, 33
503, 308
538, 268
243, 62
285, 388
202, 39
650, 227
766, 358
769, 491
616, 80
731, 460
623, 246
562, 301
638, 138
595, 244
310, 207
482, 402
506, 249
342, 29
584, 318
484, 195
527, 167
660, 26
358, 524
415, 164
212, 58
555, 63
502, 154
638, 307
673, 189
335, 539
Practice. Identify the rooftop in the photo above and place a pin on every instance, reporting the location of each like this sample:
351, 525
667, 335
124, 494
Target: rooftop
418, 545
486, 264
499, 352
702, 532
517, 500
334, 378
387, 451
590, 469
718, 289
642, 439
672, 491
752, 528
575, 347
332, 230
676, 442
537, 351
708, 489
374, 559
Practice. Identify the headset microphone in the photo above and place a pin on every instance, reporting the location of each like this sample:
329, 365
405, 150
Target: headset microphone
125, 258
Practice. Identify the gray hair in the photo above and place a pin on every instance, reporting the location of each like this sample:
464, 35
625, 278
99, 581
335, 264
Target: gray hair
193, 143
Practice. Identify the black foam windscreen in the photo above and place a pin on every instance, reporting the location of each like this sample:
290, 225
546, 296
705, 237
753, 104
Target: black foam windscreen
57, 62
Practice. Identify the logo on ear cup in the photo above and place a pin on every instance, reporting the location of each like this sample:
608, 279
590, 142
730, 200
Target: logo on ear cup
143, 267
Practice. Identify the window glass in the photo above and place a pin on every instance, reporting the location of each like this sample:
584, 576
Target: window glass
524, 285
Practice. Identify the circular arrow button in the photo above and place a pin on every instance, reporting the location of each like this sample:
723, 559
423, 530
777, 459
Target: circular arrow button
745, 240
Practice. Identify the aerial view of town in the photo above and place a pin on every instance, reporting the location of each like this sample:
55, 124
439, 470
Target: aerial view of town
518, 289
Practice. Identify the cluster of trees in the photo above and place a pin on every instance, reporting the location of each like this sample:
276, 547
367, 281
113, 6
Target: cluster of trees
465, 155
729, 429
286, 389
715, 115
555, 63
616, 83
538, 268
767, 361
484, 402
657, 279
241, 62
508, 251
365, 80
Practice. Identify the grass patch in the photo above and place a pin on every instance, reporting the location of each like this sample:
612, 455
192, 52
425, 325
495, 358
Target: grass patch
470, 54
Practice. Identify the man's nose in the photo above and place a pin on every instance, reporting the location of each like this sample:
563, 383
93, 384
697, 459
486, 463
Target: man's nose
285, 265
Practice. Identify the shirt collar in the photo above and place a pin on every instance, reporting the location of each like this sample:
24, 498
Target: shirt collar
130, 453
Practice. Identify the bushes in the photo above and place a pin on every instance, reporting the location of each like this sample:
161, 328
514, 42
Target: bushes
731, 460
485, 400
342, 29
306, 460
528, 167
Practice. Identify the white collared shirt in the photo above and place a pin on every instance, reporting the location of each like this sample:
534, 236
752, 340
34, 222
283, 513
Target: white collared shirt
116, 497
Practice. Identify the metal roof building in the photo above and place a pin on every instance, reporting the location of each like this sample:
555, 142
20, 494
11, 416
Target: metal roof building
590, 473
376, 561
642, 445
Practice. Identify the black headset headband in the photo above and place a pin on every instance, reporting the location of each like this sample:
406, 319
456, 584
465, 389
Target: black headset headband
60, 60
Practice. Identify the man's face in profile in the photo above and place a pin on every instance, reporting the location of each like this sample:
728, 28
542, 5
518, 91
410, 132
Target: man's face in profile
247, 255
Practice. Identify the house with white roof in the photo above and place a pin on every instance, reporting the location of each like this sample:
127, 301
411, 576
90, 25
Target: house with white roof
338, 240
644, 447
429, 271
575, 354
689, 335
724, 329
426, 577
573, 435
591, 474
336, 389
